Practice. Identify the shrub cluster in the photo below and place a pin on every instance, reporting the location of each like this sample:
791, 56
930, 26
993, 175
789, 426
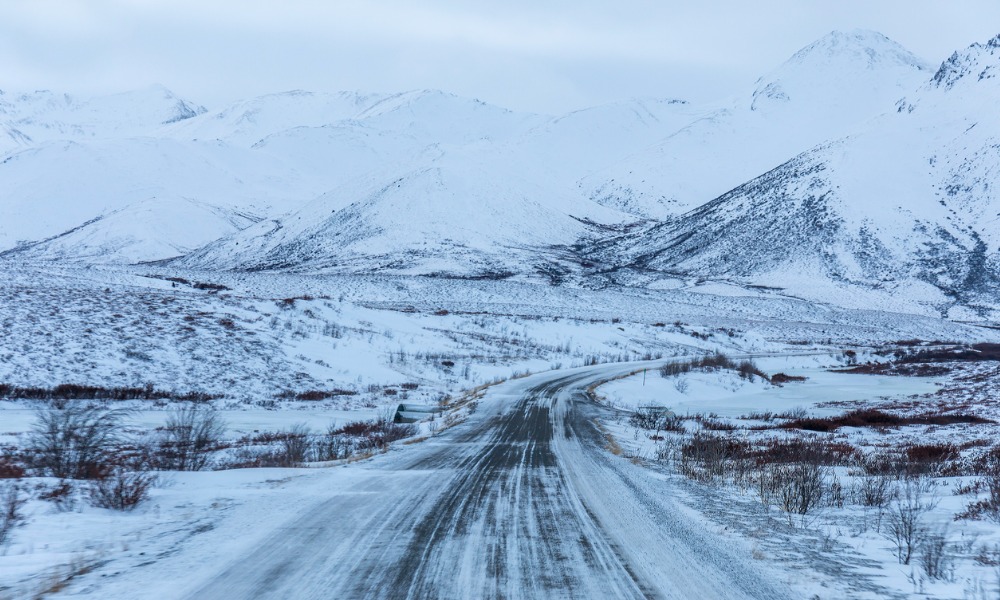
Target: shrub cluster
655, 419
72, 391
870, 417
745, 368
299, 445
83, 442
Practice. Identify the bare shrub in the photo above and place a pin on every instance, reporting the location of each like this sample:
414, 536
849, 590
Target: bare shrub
380, 433
934, 558
714, 424
834, 495
905, 519
331, 446
121, 490
189, 436
932, 459
705, 457
746, 369
990, 481
73, 442
11, 517
798, 489
874, 491
71, 391
808, 449
314, 395
62, 495
871, 417
655, 419
883, 464
297, 445
294, 446
781, 378
796, 412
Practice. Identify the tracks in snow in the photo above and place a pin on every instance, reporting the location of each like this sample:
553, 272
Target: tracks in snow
522, 502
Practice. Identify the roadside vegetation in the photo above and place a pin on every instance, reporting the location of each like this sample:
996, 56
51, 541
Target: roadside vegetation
917, 479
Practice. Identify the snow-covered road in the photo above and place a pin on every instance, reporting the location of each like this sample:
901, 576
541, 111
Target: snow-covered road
523, 501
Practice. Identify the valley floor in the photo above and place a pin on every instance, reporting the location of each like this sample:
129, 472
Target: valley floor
282, 358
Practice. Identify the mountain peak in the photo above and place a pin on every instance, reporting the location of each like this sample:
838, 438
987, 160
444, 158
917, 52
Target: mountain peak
838, 63
861, 47
978, 59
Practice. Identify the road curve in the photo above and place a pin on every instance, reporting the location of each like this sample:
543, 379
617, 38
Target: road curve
523, 501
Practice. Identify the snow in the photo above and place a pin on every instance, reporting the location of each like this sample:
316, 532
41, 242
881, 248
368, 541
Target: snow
725, 394
198, 524
409, 247
42, 116
824, 91
845, 548
901, 212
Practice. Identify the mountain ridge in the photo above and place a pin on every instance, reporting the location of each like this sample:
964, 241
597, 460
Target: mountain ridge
853, 166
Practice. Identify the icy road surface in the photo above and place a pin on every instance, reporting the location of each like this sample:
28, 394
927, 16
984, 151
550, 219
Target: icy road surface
523, 501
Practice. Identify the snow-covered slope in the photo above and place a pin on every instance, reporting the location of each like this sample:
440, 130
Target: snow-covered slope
263, 157
248, 121
908, 207
577, 144
852, 172
51, 188
431, 116
825, 90
32, 118
143, 231
455, 215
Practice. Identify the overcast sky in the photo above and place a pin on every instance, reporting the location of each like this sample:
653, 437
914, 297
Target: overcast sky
546, 56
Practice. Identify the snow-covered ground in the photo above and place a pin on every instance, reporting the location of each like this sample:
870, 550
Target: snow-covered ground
303, 260
726, 394
847, 546
269, 337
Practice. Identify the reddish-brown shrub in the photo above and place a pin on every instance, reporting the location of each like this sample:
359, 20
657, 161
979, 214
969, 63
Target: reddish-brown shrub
10, 469
779, 378
810, 450
931, 453
870, 417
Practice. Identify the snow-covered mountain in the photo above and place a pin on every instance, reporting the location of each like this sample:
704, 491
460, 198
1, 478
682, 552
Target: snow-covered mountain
248, 121
906, 208
431, 116
259, 158
54, 187
575, 145
143, 231
27, 119
852, 172
825, 90
456, 215
496, 198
